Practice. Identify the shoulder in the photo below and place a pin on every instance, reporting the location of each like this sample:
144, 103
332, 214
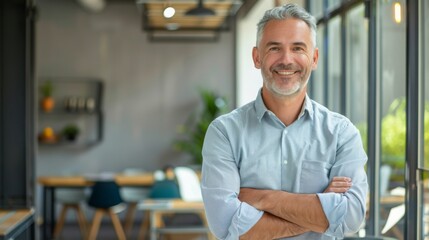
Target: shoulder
330, 119
237, 117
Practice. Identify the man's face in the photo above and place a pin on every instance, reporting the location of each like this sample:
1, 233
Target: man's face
286, 56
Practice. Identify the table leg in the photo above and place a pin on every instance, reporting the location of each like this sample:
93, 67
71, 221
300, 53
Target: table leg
53, 216
45, 213
48, 212
152, 225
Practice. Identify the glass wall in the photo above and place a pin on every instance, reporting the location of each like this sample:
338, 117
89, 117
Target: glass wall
391, 44
317, 83
424, 77
334, 64
357, 69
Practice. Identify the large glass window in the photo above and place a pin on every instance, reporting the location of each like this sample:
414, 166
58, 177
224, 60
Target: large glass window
334, 64
391, 45
316, 8
357, 68
424, 74
333, 4
317, 82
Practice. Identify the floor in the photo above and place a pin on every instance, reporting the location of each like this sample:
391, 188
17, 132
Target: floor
71, 231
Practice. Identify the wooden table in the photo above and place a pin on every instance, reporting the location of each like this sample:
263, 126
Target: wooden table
15, 222
51, 183
156, 208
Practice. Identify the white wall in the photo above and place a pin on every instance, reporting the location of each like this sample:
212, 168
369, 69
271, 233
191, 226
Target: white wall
249, 79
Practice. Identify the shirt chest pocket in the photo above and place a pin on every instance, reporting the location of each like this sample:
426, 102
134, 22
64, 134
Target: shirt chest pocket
314, 176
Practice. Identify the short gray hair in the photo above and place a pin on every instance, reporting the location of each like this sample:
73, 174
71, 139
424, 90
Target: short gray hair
284, 12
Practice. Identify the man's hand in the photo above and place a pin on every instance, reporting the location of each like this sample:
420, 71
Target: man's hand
339, 185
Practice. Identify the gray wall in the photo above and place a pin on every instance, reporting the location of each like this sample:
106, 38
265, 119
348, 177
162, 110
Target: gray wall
150, 88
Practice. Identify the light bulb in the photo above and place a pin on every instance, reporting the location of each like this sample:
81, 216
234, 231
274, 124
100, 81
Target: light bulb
397, 12
169, 12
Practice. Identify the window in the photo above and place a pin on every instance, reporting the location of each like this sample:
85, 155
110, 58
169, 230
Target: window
334, 64
357, 68
317, 83
391, 45
424, 75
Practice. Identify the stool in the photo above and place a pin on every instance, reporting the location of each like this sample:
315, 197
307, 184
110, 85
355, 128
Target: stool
104, 197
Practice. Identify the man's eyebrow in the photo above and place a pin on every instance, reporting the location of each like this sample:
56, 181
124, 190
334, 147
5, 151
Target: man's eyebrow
271, 43
302, 44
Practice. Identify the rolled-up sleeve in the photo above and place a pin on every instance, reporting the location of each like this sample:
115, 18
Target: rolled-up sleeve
228, 218
346, 212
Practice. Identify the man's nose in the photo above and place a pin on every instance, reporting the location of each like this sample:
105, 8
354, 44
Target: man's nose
286, 57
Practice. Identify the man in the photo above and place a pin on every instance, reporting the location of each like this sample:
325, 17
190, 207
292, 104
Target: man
283, 165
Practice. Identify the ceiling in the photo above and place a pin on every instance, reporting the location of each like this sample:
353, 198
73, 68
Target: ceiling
184, 26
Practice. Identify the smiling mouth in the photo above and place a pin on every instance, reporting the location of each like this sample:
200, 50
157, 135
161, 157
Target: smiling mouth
286, 73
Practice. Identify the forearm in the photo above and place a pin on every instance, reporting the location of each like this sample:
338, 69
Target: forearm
272, 227
304, 210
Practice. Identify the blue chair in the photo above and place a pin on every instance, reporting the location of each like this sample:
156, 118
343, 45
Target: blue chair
165, 189
104, 197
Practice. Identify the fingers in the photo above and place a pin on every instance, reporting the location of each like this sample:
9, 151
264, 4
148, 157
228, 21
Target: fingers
344, 179
339, 185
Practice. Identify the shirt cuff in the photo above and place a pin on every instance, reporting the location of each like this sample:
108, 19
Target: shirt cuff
335, 208
246, 217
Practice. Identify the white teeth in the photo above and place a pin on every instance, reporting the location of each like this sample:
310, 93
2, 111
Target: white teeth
285, 73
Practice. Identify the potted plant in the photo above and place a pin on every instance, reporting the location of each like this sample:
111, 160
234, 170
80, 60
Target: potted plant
47, 103
193, 132
70, 132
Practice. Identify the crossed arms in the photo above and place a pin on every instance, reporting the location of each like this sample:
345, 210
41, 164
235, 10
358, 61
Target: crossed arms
287, 214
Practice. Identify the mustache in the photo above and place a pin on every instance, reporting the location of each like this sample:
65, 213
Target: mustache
287, 67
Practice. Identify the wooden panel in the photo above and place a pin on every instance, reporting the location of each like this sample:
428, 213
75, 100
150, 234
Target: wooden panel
155, 19
9, 220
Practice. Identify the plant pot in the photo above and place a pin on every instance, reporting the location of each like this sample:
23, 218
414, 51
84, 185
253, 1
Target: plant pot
71, 137
47, 104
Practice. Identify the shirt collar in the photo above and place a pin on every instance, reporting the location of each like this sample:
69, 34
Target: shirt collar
261, 109
260, 106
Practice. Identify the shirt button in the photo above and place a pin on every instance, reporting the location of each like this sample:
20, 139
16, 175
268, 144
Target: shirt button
285, 162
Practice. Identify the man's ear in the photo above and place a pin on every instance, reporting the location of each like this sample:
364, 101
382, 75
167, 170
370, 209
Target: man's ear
255, 56
315, 59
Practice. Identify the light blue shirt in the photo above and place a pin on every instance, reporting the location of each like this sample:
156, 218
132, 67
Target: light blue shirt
251, 147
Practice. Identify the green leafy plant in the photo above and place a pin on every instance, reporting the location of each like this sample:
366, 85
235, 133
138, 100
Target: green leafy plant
70, 132
46, 89
193, 132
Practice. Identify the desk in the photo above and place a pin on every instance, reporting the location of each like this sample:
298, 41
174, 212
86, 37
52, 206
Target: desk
15, 222
156, 208
50, 183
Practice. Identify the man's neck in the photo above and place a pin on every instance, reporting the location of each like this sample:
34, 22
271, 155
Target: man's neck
286, 108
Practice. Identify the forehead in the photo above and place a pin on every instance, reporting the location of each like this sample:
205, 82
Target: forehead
291, 29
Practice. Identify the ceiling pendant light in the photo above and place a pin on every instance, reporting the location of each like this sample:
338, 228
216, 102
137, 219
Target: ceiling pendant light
200, 10
169, 12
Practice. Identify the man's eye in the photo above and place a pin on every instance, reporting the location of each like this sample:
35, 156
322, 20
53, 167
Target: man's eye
296, 49
274, 49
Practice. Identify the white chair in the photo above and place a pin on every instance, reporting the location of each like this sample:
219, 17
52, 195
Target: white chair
71, 198
189, 184
132, 196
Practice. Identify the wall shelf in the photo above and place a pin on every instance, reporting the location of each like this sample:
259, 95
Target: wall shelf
77, 102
